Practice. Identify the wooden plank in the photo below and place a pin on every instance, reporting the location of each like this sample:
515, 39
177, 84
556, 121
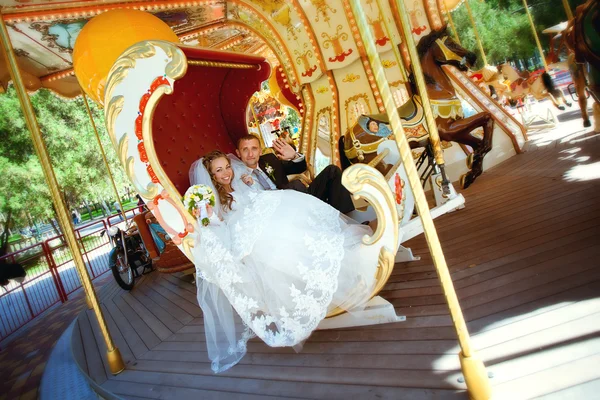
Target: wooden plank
424, 362
192, 309
133, 339
118, 337
144, 332
100, 342
530, 339
347, 376
586, 390
529, 309
153, 391
173, 309
180, 283
183, 294
548, 380
77, 347
163, 315
93, 357
314, 347
286, 389
155, 324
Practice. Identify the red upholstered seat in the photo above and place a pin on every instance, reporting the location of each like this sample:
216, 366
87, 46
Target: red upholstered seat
207, 111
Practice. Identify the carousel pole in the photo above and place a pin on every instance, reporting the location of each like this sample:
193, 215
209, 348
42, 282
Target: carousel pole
567, 9
434, 136
476, 32
473, 368
110, 175
403, 72
451, 21
113, 354
535, 35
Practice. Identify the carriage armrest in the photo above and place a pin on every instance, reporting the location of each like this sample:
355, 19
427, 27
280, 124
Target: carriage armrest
146, 235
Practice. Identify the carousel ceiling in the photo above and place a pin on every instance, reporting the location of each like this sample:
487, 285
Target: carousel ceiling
43, 33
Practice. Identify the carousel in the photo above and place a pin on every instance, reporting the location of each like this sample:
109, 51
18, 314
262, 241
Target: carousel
380, 89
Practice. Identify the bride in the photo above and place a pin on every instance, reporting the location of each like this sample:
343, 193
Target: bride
272, 263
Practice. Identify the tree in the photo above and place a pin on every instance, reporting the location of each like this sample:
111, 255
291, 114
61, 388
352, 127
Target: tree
73, 151
504, 27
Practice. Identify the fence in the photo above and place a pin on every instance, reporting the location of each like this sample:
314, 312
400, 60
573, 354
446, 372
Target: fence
51, 275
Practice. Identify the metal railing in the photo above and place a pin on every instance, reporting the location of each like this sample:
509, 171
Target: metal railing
51, 275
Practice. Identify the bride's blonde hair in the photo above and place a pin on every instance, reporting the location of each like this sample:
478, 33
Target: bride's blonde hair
225, 197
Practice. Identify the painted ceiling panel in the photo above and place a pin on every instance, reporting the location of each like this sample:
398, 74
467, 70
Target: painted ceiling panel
332, 31
287, 20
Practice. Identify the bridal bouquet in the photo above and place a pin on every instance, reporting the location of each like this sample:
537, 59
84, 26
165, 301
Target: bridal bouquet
196, 200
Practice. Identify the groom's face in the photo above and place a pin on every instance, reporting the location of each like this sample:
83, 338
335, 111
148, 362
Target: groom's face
249, 152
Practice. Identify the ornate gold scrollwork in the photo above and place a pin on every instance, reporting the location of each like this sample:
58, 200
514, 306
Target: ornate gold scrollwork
148, 192
385, 266
366, 182
115, 106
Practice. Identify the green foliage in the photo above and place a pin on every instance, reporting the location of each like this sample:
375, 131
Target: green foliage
504, 28
292, 119
73, 151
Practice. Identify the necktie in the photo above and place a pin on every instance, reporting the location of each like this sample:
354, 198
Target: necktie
261, 179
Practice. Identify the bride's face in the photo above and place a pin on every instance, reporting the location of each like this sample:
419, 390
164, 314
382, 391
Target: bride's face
221, 170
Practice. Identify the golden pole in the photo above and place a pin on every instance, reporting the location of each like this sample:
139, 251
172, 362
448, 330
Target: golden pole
472, 367
114, 356
415, 62
568, 9
477, 37
110, 175
403, 73
451, 21
535, 35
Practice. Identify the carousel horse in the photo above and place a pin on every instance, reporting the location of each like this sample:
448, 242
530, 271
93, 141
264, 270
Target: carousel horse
539, 84
582, 37
360, 142
491, 81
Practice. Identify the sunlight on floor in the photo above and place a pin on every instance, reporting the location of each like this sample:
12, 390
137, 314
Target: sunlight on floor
583, 172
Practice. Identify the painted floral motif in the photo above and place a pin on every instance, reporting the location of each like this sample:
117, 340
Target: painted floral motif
336, 42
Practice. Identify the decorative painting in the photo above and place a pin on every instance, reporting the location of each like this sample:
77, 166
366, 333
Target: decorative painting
332, 32
418, 19
287, 21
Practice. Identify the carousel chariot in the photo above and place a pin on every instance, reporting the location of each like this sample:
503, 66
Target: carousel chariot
166, 105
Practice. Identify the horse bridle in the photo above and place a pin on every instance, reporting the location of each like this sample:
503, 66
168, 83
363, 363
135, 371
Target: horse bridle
449, 54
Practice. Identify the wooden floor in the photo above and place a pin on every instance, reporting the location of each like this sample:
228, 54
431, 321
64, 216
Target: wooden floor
524, 256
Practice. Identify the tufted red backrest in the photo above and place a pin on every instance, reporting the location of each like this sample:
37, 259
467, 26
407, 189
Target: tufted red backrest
205, 112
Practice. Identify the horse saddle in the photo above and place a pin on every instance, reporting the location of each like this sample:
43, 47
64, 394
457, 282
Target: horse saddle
411, 113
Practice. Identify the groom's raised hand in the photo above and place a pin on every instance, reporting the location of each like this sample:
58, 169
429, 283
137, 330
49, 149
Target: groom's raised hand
283, 150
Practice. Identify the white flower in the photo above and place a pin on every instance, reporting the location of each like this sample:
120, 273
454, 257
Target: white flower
269, 170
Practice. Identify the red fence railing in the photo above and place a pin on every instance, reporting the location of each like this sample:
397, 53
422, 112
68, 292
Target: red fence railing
51, 275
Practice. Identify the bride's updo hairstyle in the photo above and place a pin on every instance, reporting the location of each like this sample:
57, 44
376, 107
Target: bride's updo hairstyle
225, 197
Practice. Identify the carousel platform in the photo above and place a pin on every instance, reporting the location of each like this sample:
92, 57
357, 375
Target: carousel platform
524, 259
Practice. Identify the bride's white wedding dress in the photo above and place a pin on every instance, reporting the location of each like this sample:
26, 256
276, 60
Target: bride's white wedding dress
281, 259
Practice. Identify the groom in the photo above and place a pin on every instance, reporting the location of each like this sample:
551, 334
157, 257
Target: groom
270, 172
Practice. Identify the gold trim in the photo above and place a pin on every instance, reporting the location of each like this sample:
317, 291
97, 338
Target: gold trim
122, 148
148, 192
216, 64
364, 181
115, 106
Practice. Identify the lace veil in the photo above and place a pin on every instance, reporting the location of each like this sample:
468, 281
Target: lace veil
226, 334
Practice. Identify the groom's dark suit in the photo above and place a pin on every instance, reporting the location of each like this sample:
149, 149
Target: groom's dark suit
326, 186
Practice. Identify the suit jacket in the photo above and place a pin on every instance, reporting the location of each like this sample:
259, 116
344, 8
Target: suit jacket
281, 169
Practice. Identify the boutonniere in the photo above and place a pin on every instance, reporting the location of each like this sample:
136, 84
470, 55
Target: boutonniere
269, 170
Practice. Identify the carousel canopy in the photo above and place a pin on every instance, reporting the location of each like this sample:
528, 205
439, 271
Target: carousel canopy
43, 33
